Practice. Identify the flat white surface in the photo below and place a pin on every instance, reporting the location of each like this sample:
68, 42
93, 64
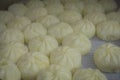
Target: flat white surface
88, 61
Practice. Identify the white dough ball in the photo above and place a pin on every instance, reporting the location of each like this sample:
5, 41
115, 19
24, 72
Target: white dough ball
2, 27
44, 44
92, 8
55, 72
31, 63
66, 57
89, 1
9, 71
108, 5
96, 17
66, 1
55, 9
49, 20
5, 17
114, 16
35, 4
13, 51
70, 17
108, 30
35, 13
84, 26
107, 58
74, 6
47, 2
19, 23
60, 30
18, 9
11, 35
78, 41
89, 74
34, 30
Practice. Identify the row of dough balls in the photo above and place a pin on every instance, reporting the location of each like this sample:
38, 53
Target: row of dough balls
66, 62
108, 30
54, 72
86, 25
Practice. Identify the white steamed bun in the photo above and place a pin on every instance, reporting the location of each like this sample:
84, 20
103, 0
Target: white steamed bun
19, 23
78, 41
108, 5
49, 21
34, 30
84, 26
88, 74
31, 63
9, 71
47, 2
55, 72
66, 1
13, 51
91, 8
18, 9
2, 27
5, 16
66, 57
44, 44
70, 16
96, 17
55, 9
59, 31
108, 30
90, 1
74, 6
34, 4
10, 35
114, 16
35, 13
107, 58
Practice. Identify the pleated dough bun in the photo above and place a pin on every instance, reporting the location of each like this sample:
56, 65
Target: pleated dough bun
91, 8
44, 44
13, 51
66, 1
9, 71
74, 6
60, 30
35, 13
2, 27
11, 35
18, 9
78, 41
88, 74
55, 72
96, 17
19, 22
90, 1
34, 30
6, 16
31, 63
49, 21
70, 16
35, 4
84, 26
66, 57
108, 5
48, 2
114, 16
107, 58
108, 30
54, 9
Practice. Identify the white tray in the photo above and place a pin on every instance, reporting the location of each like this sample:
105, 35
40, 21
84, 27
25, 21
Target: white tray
88, 61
